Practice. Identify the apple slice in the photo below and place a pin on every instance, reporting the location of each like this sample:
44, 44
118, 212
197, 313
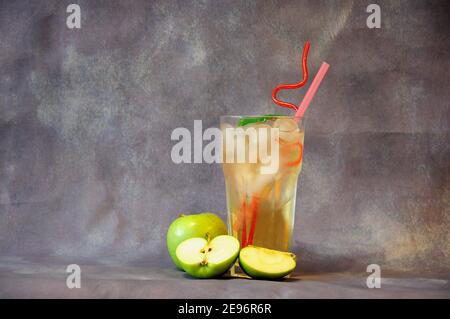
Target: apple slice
263, 263
201, 258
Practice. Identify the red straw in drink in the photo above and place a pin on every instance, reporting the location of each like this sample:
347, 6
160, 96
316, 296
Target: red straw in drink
311, 91
254, 207
294, 85
243, 212
300, 111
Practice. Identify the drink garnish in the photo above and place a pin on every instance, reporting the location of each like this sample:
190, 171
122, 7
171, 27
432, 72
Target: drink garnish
256, 119
298, 160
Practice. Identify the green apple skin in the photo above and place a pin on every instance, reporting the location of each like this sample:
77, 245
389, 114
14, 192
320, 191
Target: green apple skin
212, 269
189, 226
254, 272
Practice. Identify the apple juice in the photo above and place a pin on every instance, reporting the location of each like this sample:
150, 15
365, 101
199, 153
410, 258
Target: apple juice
261, 203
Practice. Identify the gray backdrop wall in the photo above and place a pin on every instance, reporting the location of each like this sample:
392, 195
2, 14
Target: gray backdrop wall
86, 117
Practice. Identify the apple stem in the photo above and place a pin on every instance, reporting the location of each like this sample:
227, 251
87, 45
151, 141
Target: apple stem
208, 237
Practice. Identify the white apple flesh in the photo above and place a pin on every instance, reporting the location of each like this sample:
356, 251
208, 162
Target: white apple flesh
201, 258
263, 263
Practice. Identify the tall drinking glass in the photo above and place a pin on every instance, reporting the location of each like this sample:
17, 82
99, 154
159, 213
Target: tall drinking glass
262, 159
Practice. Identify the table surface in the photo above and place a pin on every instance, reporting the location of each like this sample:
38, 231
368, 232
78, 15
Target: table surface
46, 278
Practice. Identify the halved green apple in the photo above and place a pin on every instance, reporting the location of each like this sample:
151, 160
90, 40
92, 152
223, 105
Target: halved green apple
190, 226
263, 263
201, 258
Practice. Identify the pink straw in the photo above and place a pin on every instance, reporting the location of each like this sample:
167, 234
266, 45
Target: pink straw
312, 90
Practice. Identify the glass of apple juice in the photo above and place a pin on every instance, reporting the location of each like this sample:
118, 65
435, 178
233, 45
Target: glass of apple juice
262, 160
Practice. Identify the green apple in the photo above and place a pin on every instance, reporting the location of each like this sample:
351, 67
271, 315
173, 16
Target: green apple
263, 263
201, 258
189, 226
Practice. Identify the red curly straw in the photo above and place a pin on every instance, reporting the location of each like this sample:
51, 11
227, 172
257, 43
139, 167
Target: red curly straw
295, 85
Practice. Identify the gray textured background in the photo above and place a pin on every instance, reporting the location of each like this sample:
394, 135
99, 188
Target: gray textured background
86, 117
